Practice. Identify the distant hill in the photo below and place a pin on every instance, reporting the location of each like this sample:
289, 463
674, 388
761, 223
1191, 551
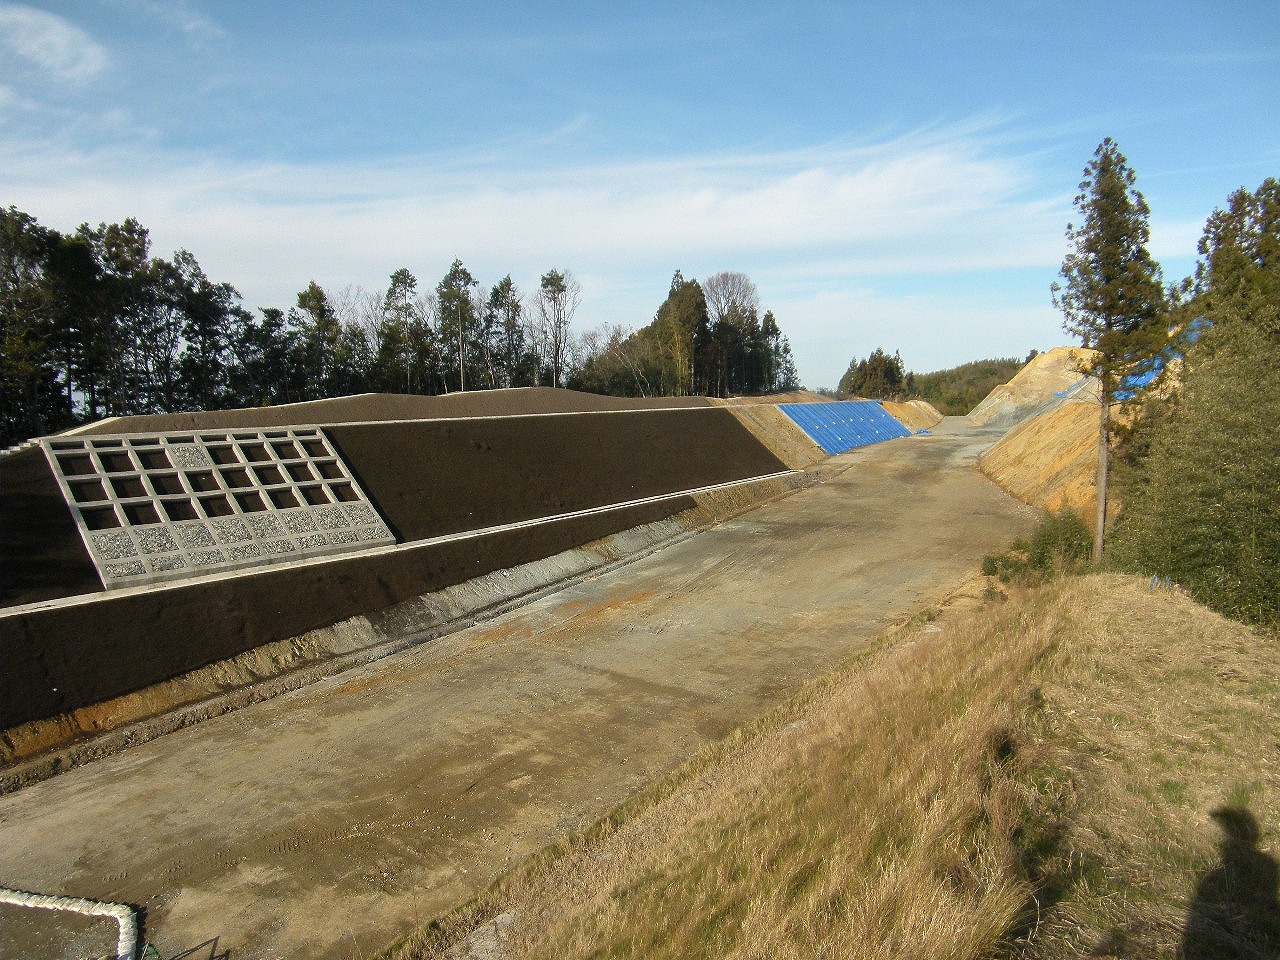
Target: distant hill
958, 390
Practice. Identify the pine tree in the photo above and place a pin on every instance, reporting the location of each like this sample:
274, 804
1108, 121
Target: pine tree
1112, 299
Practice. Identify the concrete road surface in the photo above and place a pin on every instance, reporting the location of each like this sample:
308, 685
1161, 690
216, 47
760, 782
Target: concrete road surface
328, 821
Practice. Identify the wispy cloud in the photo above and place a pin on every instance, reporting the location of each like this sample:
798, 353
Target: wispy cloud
181, 15
813, 225
50, 43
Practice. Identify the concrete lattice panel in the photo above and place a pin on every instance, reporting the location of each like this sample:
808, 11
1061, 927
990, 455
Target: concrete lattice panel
158, 507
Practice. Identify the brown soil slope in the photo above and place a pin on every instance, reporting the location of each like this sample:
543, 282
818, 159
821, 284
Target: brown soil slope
1051, 460
913, 414
1037, 382
391, 406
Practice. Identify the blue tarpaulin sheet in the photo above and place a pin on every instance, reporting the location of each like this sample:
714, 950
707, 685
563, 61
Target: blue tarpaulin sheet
841, 426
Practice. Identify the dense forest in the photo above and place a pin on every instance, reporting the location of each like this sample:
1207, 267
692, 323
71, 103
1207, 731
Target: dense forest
954, 391
92, 325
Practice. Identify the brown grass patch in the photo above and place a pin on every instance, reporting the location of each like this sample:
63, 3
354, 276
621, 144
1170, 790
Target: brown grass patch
1033, 777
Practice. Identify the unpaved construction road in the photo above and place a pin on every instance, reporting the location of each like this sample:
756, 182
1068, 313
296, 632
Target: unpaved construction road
328, 821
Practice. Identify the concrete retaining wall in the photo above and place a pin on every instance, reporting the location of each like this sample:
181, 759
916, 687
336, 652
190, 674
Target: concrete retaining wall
427, 478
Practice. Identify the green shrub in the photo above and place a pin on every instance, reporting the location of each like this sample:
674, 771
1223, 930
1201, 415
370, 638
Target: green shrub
1060, 544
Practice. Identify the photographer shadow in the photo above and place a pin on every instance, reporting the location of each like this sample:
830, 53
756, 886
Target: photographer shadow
1236, 913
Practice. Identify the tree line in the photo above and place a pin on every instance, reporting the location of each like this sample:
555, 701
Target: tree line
93, 324
706, 338
954, 391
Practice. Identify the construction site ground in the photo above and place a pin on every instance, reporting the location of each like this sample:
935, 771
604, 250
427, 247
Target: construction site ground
328, 821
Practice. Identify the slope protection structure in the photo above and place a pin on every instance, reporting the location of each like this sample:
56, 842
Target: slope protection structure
844, 425
363, 513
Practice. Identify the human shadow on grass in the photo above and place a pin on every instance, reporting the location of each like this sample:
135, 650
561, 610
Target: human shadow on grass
1236, 914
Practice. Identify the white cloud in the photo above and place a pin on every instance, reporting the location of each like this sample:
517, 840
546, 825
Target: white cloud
51, 43
180, 15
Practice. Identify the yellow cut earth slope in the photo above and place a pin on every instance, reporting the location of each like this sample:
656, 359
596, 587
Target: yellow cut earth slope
1051, 460
1047, 373
913, 414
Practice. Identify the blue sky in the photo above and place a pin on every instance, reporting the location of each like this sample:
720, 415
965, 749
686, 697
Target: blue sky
889, 174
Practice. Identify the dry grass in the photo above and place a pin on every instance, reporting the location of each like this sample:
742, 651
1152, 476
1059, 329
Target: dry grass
1033, 778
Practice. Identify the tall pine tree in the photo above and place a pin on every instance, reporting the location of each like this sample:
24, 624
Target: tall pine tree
1112, 298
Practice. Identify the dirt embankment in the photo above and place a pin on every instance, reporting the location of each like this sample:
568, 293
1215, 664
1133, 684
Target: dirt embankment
913, 414
1049, 373
1049, 457
1050, 461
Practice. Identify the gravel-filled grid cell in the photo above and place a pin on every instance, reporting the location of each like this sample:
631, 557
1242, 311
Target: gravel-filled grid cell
189, 456
194, 535
155, 540
114, 545
298, 521
230, 530
264, 525
279, 547
311, 541
331, 517
244, 551
169, 562
132, 568
358, 513
343, 536
375, 533
206, 558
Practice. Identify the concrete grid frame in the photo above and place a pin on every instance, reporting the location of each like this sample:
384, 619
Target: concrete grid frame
166, 506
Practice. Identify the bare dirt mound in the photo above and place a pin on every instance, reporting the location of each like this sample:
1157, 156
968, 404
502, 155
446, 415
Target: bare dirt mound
795, 396
1054, 372
779, 434
913, 414
392, 406
1051, 460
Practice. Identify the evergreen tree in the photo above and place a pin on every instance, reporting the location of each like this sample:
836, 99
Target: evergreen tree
880, 376
1202, 508
1112, 298
461, 355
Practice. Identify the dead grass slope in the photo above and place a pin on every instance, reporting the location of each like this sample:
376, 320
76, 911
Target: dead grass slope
1037, 778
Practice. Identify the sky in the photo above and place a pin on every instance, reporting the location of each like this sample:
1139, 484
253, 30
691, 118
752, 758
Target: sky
896, 175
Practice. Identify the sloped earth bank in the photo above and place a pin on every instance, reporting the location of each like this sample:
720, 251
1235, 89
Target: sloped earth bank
1054, 371
1051, 460
329, 820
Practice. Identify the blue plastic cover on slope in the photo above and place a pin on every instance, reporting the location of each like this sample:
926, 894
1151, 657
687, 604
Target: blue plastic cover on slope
837, 427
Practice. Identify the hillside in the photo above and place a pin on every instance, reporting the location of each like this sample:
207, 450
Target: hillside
957, 390
1022, 782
